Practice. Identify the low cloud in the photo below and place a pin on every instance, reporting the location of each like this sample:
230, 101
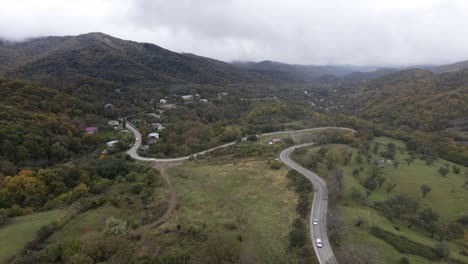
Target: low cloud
397, 32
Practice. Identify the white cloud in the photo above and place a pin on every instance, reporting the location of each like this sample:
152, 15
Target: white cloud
296, 31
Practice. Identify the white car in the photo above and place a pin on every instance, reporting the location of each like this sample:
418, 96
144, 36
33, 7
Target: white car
318, 242
136, 139
315, 221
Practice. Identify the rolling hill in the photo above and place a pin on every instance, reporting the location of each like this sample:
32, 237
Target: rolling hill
412, 99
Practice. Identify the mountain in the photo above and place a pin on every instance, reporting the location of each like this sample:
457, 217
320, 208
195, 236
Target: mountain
415, 99
96, 58
305, 73
462, 65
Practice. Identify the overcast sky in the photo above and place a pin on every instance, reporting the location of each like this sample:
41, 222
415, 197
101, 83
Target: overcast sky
361, 32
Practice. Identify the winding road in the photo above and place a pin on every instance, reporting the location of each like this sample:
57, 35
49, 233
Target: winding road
319, 207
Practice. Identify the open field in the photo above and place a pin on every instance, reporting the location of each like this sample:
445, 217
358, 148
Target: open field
22, 229
447, 197
247, 203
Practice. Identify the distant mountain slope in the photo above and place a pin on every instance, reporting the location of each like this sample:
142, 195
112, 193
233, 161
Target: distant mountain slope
300, 72
417, 99
462, 65
96, 57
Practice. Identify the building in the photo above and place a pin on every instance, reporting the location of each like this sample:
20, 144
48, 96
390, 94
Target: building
163, 101
112, 143
153, 115
276, 141
187, 97
91, 130
168, 106
153, 138
158, 126
108, 106
203, 100
113, 123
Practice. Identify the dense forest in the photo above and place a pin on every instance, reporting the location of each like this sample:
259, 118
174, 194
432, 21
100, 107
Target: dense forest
40, 126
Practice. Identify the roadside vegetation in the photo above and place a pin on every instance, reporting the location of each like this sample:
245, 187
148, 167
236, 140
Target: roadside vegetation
390, 204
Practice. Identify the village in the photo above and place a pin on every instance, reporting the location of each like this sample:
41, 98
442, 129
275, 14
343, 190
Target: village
118, 137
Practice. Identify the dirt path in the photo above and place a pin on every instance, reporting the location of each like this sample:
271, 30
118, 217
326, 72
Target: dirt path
162, 167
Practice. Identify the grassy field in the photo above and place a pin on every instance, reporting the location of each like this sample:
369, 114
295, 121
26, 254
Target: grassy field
246, 201
447, 197
22, 229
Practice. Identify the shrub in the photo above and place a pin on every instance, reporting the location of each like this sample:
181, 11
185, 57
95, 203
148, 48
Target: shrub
276, 165
111, 168
100, 185
252, 138
404, 245
115, 226
404, 260
442, 249
4, 219
298, 234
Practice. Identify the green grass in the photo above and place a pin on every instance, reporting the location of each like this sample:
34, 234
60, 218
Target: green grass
447, 197
22, 229
90, 222
247, 199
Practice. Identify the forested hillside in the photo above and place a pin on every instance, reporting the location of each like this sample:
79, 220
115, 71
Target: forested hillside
40, 126
416, 99
96, 59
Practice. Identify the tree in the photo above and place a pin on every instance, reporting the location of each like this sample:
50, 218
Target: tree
442, 249
111, 168
356, 172
463, 220
24, 189
333, 158
336, 189
425, 189
456, 169
7, 168
455, 231
396, 163
443, 171
428, 216
335, 227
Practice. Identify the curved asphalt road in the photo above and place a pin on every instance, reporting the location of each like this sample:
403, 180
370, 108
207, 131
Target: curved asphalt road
319, 207
133, 150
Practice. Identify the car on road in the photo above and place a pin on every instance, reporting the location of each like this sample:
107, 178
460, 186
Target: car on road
318, 242
315, 221
136, 139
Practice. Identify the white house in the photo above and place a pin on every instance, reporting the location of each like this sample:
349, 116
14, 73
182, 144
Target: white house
153, 138
113, 123
163, 101
112, 143
187, 97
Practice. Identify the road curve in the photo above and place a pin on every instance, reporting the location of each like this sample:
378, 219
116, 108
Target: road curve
133, 151
319, 207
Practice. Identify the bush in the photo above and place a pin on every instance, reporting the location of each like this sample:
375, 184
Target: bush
276, 165
298, 235
442, 249
252, 138
115, 226
111, 168
404, 260
100, 185
4, 219
404, 245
